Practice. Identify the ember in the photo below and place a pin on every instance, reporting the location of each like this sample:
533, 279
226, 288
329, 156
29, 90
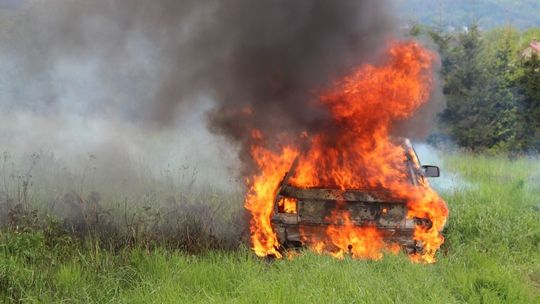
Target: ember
357, 152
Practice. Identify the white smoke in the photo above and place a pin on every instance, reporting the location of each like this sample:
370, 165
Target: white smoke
449, 181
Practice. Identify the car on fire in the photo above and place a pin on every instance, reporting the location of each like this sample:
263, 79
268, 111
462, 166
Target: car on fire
311, 213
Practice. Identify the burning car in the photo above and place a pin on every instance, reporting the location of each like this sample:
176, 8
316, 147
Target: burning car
302, 216
353, 188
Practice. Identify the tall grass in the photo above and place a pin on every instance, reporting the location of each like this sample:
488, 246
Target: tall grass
491, 255
119, 203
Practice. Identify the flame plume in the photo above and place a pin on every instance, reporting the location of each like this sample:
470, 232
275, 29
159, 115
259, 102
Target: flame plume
356, 152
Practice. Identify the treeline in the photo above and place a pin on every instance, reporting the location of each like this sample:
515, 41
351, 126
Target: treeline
491, 82
457, 13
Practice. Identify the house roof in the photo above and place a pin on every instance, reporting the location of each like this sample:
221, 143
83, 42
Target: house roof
535, 45
534, 48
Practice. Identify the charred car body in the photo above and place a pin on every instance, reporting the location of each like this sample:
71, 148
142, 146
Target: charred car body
302, 214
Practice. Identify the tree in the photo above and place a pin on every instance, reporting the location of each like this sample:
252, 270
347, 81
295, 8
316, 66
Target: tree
483, 106
462, 79
529, 84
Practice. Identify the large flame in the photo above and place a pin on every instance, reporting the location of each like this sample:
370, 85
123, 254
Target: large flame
355, 153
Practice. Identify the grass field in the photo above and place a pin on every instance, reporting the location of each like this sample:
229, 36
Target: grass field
491, 255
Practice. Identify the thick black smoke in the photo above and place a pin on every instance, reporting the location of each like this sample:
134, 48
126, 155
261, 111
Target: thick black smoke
153, 63
279, 53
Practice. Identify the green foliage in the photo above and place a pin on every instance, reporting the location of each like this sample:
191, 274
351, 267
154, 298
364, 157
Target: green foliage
491, 90
529, 81
491, 255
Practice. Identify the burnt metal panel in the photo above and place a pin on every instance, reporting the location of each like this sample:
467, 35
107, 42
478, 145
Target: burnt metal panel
285, 218
360, 213
375, 196
299, 234
392, 215
314, 211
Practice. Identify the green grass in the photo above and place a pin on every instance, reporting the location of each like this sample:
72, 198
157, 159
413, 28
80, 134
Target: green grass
492, 255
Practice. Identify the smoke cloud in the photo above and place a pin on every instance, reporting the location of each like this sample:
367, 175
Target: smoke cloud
156, 64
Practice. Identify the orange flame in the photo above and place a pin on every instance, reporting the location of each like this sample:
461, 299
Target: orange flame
355, 153
288, 205
359, 242
260, 197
